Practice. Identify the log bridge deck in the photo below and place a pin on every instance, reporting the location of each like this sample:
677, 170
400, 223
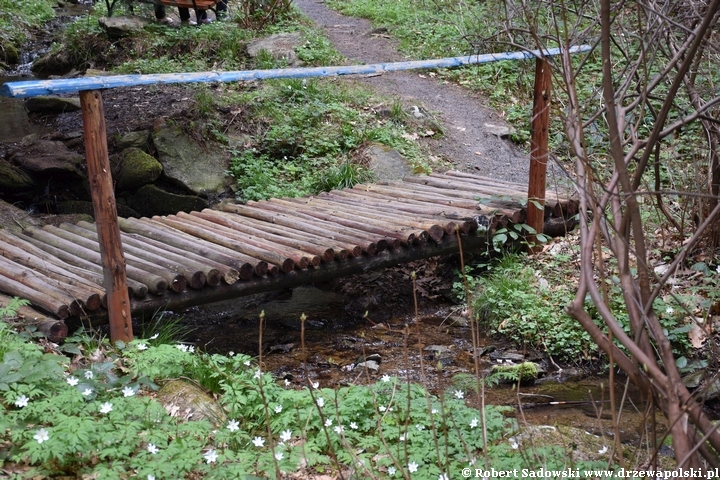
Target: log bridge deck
188, 259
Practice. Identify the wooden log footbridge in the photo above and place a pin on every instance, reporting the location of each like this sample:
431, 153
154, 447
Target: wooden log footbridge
116, 266
177, 261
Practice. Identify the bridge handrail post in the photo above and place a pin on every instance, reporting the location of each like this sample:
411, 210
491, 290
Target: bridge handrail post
108, 229
539, 149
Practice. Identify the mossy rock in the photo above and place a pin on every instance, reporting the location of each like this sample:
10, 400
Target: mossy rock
9, 54
526, 373
187, 401
137, 169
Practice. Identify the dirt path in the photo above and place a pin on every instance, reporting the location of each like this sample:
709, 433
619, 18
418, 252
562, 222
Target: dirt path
466, 143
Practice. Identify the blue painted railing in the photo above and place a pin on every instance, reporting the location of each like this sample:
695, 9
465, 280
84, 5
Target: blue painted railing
34, 88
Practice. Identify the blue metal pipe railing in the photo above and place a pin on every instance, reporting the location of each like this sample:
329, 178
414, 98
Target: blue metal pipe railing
34, 88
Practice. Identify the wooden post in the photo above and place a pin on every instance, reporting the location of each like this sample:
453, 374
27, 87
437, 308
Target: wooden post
103, 197
539, 148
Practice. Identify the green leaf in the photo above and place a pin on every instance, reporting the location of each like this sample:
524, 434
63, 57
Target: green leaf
681, 362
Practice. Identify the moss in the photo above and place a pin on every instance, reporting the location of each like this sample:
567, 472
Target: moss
9, 54
525, 372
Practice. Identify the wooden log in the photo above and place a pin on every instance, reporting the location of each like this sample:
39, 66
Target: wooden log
499, 202
103, 197
302, 222
406, 235
212, 276
449, 225
41, 265
164, 235
54, 330
193, 278
38, 298
246, 230
177, 283
349, 249
382, 220
74, 296
539, 126
73, 263
155, 284
283, 263
340, 252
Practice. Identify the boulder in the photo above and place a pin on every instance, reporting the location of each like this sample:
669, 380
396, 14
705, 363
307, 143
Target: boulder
152, 200
14, 179
187, 401
47, 158
189, 165
118, 27
140, 139
280, 46
56, 62
136, 169
9, 54
52, 105
386, 163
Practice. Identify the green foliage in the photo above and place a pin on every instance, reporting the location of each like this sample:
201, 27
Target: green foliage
308, 130
10, 310
19, 17
98, 419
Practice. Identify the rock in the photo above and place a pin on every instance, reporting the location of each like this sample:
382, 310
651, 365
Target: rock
187, 401
47, 158
514, 357
187, 164
9, 54
151, 200
137, 169
118, 27
386, 163
280, 46
424, 120
371, 365
14, 219
501, 131
52, 105
56, 62
91, 72
140, 139
14, 179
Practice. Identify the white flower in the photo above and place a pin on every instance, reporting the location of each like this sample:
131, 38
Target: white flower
315, 385
669, 310
459, 394
246, 363
182, 347
258, 373
210, 456
128, 392
155, 336
353, 425
231, 353
328, 422
41, 435
87, 392
233, 425
391, 471
89, 374
279, 456
287, 382
385, 378
141, 346
286, 435
339, 429
258, 441
412, 467
420, 427
474, 423
514, 444
22, 401
718, 269
150, 477
320, 402
72, 381
382, 408
443, 476
191, 349
151, 448
603, 450
106, 407
278, 408
401, 438
434, 411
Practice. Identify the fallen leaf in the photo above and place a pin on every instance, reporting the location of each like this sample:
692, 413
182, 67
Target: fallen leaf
697, 336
